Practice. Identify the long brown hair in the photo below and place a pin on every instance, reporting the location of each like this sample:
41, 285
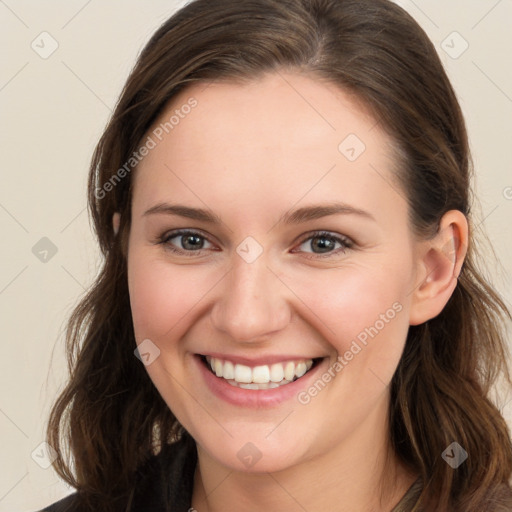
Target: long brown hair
110, 417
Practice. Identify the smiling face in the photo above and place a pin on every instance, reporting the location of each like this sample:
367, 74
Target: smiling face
265, 276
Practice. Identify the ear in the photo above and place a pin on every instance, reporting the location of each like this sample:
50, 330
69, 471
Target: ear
116, 220
439, 264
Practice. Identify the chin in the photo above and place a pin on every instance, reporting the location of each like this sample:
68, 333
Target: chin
252, 454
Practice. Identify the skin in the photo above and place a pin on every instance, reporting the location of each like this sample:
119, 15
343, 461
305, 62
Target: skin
251, 153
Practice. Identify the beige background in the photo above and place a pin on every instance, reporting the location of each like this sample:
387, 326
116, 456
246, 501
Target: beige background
53, 111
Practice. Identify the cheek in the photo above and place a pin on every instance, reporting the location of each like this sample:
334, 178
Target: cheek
354, 300
370, 309
362, 312
161, 298
161, 295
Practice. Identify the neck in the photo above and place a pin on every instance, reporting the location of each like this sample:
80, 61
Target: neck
359, 475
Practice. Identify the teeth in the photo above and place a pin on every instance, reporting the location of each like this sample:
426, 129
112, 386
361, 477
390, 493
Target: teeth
277, 372
242, 374
217, 367
289, 371
228, 370
259, 377
300, 369
249, 386
261, 374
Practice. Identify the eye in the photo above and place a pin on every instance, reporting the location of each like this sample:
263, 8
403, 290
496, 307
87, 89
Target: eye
191, 242
325, 243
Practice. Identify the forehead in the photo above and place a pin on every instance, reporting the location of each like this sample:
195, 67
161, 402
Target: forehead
276, 139
276, 110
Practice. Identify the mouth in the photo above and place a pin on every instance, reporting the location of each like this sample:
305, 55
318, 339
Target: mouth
267, 376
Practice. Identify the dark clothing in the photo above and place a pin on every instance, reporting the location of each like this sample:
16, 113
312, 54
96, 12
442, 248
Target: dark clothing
166, 483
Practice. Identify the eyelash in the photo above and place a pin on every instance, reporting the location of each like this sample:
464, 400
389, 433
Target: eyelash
343, 240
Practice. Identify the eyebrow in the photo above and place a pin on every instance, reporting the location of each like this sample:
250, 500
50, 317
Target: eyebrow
297, 216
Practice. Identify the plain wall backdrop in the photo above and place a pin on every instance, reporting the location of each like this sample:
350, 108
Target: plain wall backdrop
64, 64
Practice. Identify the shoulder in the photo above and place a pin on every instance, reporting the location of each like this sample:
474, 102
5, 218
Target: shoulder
499, 499
410, 500
165, 479
69, 503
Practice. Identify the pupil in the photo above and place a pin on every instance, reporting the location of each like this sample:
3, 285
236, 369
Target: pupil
186, 239
324, 247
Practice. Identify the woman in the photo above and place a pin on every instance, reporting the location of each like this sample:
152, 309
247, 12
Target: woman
289, 315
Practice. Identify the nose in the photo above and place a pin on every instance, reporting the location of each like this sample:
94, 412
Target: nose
252, 302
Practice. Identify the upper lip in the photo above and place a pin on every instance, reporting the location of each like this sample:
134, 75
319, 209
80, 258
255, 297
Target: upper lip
259, 361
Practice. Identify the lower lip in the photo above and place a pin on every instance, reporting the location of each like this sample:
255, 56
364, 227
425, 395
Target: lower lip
255, 398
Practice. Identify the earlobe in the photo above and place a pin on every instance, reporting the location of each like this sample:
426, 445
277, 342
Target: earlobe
116, 220
440, 263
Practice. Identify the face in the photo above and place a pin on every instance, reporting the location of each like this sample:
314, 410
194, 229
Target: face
304, 263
